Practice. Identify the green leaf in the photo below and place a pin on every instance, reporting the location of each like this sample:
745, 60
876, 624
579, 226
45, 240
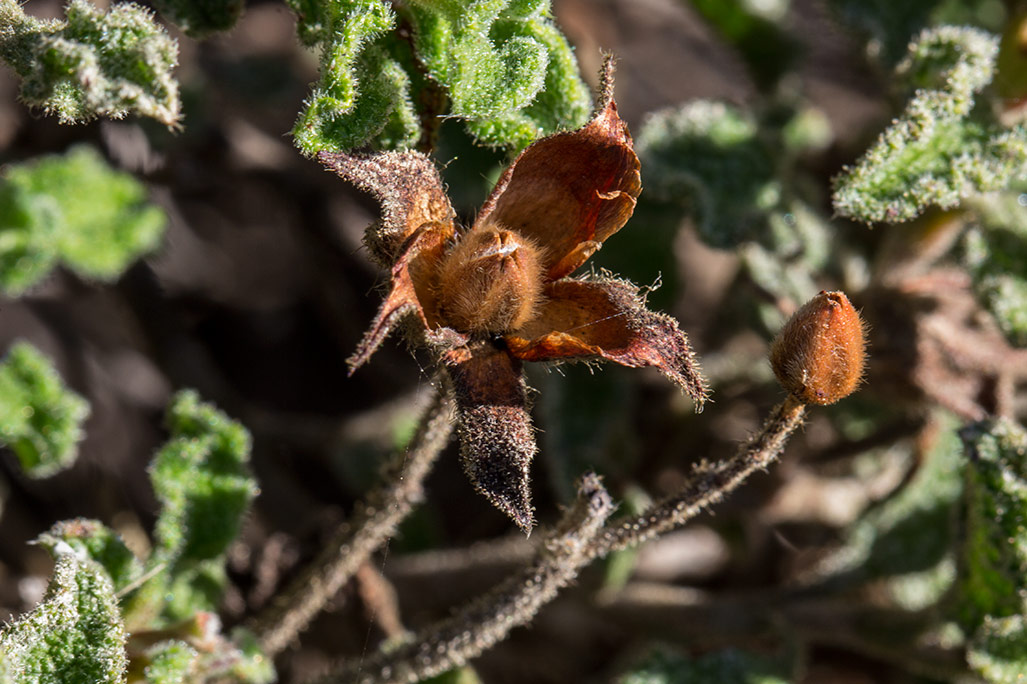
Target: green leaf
730, 666
707, 157
998, 650
505, 65
200, 18
363, 89
202, 479
93, 64
77, 209
75, 636
93, 540
40, 419
993, 573
940, 150
994, 254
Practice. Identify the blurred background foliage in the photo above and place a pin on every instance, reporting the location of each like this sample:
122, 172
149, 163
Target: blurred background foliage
787, 146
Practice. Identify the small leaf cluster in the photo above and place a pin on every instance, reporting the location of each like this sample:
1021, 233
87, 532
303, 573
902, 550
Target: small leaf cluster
942, 149
40, 419
710, 157
203, 482
93, 63
162, 630
76, 210
500, 65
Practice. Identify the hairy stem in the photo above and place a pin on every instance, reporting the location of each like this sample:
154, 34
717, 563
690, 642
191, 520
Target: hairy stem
708, 485
373, 522
488, 619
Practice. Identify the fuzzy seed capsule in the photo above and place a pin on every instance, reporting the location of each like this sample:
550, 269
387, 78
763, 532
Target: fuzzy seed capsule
819, 354
491, 282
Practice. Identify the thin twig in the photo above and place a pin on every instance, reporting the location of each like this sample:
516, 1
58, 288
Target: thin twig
708, 485
372, 523
380, 602
488, 619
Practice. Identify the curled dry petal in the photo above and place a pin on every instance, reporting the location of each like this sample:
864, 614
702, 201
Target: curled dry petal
569, 192
417, 224
819, 354
410, 191
410, 292
497, 440
607, 319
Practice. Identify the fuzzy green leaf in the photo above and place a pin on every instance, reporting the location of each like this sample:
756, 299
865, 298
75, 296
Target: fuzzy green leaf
200, 18
707, 157
562, 103
75, 636
76, 209
40, 419
998, 650
729, 666
363, 90
505, 65
94, 540
93, 64
940, 150
995, 255
202, 479
993, 577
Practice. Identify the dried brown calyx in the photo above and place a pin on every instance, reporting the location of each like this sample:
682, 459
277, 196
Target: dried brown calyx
498, 294
819, 354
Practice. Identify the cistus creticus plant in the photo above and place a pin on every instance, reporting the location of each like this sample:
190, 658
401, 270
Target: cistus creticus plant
490, 297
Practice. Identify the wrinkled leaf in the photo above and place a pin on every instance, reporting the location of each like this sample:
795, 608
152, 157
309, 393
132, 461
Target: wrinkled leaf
40, 419
75, 636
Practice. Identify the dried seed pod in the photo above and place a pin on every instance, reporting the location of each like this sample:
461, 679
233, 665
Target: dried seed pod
491, 282
818, 356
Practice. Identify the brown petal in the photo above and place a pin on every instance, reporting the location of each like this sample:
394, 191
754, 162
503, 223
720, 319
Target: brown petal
570, 191
410, 191
497, 440
608, 319
410, 291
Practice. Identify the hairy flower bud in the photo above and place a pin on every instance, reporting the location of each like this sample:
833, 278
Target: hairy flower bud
491, 282
818, 356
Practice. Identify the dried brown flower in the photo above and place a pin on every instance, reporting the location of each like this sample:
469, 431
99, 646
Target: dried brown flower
499, 293
818, 356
